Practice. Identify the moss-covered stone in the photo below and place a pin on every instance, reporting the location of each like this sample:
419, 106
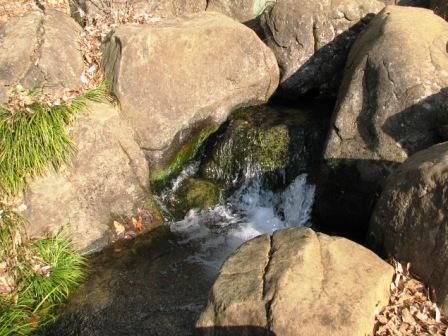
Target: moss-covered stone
266, 141
159, 178
155, 210
194, 193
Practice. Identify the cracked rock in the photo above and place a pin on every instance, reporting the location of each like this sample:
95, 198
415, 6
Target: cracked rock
40, 49
106, 180
297, 282
409, 222
392, 103
311, 40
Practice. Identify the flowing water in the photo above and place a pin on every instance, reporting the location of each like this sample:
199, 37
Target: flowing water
158, 284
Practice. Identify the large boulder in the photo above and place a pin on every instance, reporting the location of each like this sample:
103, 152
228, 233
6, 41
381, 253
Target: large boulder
85, 11
40, 50
311, 40
411, 216
297, 282
440, 7
391, 103
107, 180
180, 78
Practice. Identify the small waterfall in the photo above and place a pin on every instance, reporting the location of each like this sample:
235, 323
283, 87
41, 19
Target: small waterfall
249, 212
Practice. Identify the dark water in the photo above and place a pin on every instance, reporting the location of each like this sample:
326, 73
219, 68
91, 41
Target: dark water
145, 287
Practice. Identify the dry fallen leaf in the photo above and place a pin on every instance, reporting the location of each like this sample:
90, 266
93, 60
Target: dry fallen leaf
119, 228
410, 311
137, 223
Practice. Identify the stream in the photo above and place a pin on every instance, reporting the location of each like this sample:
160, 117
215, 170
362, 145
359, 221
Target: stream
158, 284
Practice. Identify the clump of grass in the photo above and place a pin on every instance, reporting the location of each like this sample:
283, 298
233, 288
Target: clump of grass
35, 139
66, 271
41, 274
14, 320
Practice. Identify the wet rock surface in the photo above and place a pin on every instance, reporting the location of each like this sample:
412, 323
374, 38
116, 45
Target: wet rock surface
194, 193
146, 287
274, 141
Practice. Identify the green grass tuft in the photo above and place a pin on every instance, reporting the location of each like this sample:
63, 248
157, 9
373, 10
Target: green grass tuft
32, 142
44, 273
66, 272
14, 320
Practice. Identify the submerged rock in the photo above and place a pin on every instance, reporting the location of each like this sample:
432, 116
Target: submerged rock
107, 180
392, 103
276, 142
311, 40
182, 77
194, 193
40, 51
297, 282
410, 219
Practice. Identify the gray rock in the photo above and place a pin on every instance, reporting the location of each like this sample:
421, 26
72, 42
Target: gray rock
42, 50
297, 282
392, 102
107, 180
411, 216
179, 77
311, 40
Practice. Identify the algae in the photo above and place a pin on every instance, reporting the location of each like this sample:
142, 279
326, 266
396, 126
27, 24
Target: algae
159, 178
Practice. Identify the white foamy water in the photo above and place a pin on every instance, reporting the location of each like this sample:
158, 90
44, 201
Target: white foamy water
249, 212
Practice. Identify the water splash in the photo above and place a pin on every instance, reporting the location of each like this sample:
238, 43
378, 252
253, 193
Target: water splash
249, 212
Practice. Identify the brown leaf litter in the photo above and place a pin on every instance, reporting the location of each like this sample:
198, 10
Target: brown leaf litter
410, 311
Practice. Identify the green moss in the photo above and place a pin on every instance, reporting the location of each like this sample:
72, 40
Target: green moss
35, 139
194, 193
159, 178
155, 210
255, 139
333, 163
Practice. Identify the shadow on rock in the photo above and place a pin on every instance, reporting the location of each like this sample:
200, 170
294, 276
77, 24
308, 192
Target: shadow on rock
349, 188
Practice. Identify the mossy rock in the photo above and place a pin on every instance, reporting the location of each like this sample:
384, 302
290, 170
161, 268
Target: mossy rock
264, 140
161, 177
194, 193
